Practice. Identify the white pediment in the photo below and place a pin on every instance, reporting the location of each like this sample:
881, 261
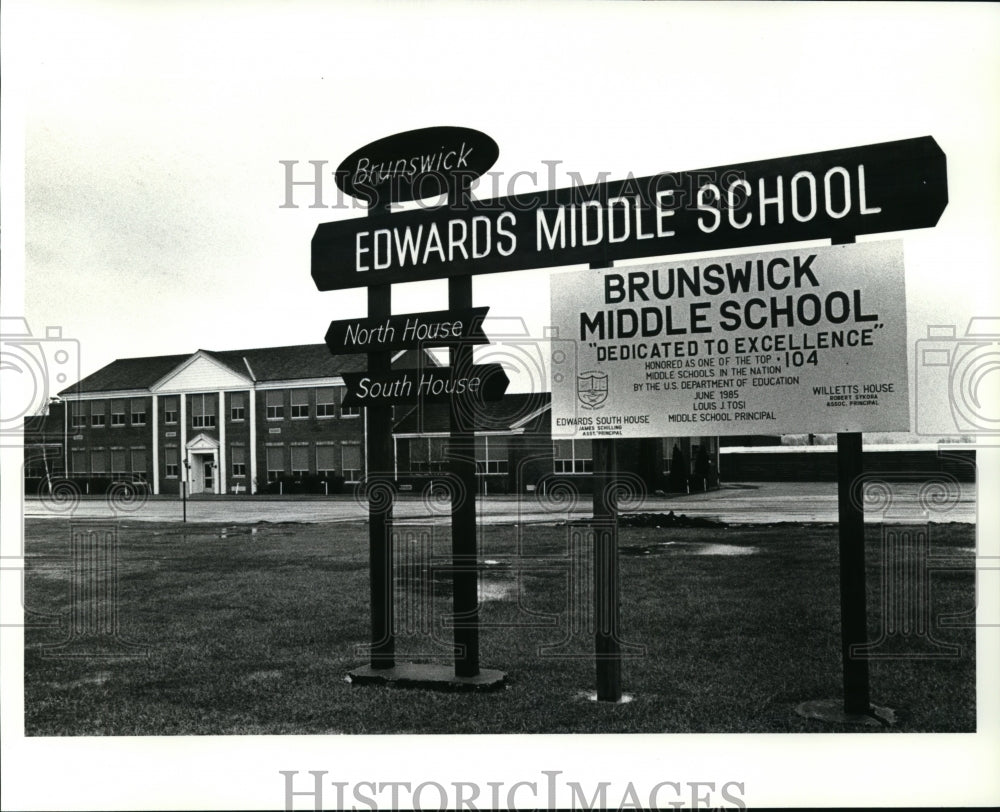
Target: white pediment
200, 373
202, 442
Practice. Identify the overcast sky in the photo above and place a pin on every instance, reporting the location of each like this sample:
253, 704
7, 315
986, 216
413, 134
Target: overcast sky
153, 135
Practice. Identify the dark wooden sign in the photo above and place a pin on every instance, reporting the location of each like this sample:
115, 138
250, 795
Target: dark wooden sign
416, 164
437, 328
483, 382
892, 186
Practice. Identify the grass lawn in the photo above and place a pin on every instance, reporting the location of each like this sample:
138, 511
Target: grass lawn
250, 629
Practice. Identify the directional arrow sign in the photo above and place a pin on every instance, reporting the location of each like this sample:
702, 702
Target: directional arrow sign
484, 382
844, 192
436, 328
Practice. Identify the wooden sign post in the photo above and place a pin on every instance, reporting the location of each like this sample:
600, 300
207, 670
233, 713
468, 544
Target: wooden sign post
856, 706
868, 189
376, 173
853, 595
378, 441
853, 609
465, 563
607, 605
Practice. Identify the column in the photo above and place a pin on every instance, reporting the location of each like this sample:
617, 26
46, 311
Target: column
252, 404
183, 448
222, 443
156, 445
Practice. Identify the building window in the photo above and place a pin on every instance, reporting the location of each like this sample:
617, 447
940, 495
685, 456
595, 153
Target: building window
300, 403
300, 460
326, 460
139, 461
238, 455
171, 461
138, 412
326, 402
97, 416
170, 410
419, 454
572, 457
427, 454
491, 455
275, 461
78, 461
98, 461
203, 411
118, 413
118, 462
350, 461
346, 411
237, 406
77, 418
275, 403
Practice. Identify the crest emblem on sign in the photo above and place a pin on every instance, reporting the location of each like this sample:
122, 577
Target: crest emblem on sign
592, 389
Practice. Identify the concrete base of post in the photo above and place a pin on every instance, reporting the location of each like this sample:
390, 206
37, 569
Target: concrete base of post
832, 710
429, 676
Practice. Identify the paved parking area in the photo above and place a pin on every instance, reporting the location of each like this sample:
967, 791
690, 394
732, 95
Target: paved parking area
756, 503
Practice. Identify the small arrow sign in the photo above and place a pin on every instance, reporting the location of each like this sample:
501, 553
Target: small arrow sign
483, 382
431, 329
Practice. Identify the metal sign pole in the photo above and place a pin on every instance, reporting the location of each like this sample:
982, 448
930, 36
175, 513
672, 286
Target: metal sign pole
853, 611
378, 440
607, 609
851, 524
465, 563
465, 572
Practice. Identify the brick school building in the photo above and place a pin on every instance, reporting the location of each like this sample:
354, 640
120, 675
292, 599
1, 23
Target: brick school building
272, 420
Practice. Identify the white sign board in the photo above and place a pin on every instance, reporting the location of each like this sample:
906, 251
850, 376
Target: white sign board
794, 341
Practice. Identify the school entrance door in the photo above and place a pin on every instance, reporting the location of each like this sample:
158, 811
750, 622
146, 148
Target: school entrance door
203, 456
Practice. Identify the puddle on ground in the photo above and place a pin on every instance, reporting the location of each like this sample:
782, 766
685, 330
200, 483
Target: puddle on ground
591, 696
262, 676
687, 548
235, 532
56, 572
723, 549
93, 679
440, 586
491, 590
